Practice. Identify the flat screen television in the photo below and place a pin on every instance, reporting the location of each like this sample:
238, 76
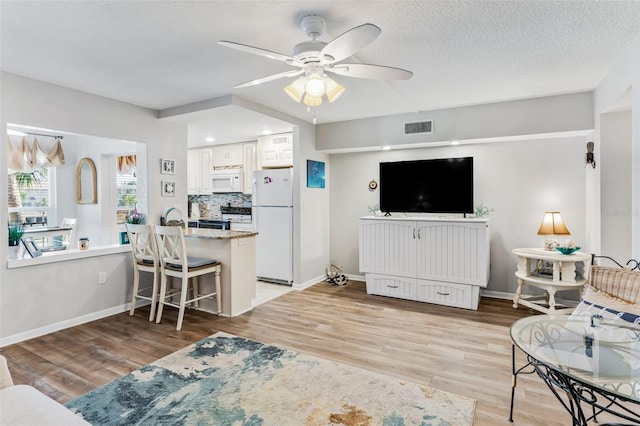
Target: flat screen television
443, 185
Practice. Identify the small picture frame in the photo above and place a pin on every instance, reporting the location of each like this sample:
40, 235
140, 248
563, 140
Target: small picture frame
31, 247
168, 167
168, 188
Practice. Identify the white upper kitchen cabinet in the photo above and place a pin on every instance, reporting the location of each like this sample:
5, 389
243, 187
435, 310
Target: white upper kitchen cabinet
228, 155
275, 150
249, 165
198, 171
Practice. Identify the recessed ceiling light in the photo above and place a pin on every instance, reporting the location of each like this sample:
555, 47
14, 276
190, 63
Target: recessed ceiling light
210, 139
266, 132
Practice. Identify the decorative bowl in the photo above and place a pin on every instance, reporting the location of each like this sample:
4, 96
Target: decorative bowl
567, 250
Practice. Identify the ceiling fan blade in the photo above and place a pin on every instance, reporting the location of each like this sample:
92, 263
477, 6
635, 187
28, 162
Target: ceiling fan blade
260, 52
269, 78
376, 72
350, 42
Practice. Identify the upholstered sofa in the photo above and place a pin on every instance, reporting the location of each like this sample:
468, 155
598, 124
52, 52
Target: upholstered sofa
613, 293
26, 406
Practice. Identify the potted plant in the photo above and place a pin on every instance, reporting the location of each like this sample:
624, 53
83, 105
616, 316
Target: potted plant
135, 216
16, 231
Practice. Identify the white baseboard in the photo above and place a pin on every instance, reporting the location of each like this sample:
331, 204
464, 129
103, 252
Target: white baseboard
496, 294
353, 277
308, 283
51, 328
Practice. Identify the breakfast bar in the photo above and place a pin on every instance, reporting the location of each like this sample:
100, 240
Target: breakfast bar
236, 250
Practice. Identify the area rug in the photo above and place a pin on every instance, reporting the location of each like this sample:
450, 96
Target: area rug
229, 380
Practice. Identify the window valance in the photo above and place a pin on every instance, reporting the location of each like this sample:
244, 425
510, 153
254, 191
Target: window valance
24, 158
126, 163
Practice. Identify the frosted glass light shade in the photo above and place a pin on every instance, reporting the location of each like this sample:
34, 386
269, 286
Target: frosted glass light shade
315, 85
296, 89
312, 101
552, 224
334, 90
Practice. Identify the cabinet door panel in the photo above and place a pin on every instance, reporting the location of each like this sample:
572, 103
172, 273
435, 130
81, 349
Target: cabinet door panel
193, 171
228, 155
205, 170
249, 165
452, 252
388, 247
276, 150
198, 171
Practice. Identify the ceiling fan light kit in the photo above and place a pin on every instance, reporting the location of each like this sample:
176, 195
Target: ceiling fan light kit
315, 85
315, 58
296, 89
312, 101
334, 90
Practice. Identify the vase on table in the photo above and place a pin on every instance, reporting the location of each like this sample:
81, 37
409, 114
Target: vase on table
13, 252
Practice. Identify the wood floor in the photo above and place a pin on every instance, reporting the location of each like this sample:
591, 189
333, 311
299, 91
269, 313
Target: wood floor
461, 351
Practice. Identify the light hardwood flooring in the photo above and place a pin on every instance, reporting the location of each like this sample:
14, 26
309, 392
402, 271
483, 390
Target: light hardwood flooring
457, 350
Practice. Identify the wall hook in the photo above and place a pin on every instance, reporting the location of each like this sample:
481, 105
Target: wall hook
589, 158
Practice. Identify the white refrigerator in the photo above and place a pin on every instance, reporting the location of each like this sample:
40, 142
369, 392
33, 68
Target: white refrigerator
272, 204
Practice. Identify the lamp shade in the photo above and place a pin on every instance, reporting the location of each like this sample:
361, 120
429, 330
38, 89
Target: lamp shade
552, 224
334, 90
312, 101
296, 89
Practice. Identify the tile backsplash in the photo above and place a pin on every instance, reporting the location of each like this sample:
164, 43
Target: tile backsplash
210, 204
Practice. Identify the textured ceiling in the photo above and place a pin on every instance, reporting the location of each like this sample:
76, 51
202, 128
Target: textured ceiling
163, 54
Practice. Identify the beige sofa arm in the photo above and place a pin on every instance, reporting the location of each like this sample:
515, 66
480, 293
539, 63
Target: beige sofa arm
5, 376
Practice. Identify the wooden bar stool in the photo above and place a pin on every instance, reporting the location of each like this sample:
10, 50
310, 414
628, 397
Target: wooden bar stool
145, 258
174, 262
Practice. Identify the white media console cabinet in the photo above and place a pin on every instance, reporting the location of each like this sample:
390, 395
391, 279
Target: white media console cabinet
435, 260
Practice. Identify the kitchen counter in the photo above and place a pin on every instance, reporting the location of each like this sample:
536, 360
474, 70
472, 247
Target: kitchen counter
217, 234
236, 251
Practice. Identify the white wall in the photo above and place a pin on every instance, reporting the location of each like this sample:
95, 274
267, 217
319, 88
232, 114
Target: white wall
615, 164
38, 296
311, 206
624, 77
552, 114
519, 180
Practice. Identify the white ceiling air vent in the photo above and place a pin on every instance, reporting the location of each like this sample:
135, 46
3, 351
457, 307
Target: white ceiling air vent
421, 127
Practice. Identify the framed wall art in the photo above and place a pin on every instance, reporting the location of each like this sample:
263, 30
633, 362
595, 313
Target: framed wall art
168, 188
168, 167
315, 174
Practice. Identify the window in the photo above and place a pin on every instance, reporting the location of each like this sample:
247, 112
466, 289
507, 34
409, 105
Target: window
126, 189
31, 199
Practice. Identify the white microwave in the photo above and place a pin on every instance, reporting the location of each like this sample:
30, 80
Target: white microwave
228, 180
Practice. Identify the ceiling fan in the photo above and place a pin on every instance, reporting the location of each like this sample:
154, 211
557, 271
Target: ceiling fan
315, 58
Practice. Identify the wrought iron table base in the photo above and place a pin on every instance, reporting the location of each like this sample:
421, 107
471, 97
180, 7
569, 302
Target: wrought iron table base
571, 392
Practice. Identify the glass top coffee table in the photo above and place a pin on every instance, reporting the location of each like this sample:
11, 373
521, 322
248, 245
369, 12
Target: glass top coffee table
585, 361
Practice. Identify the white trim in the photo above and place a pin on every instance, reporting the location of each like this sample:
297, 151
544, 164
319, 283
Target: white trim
72, 322
496, 294
308, 283
72, 254
356, 278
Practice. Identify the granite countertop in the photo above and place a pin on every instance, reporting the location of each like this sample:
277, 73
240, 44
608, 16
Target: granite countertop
217, 234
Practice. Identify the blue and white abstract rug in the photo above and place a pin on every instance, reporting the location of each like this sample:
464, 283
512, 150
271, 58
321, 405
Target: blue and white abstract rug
228, 380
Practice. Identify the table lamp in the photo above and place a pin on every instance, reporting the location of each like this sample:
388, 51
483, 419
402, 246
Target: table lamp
552, 224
